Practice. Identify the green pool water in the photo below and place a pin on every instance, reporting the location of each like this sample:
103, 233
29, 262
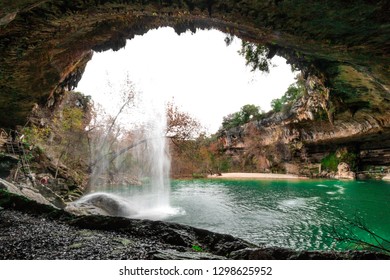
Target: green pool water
293, 214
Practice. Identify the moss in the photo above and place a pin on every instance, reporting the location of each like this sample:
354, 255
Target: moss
123, 241
330, 162
351, 159
197, 248
76, 246
21, 203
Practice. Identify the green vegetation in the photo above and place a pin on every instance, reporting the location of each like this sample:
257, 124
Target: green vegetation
35, 134
247, 113
332, 160
257, 56
196, 157
293, 93
51, 138
197, 248
72, 119
351, 159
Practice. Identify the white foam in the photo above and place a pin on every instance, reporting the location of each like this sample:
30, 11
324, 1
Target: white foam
293, 203
159, 213
331, 193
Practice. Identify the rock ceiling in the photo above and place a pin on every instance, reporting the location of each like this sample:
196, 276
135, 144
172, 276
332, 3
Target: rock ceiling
45, 44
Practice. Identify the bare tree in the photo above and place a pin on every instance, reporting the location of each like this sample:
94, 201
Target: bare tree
106, 130
181, 125
350, 231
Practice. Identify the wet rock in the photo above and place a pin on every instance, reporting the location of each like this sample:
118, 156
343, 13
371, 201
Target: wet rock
175, 255
101, 204
18, 202
261, 254
221, 244
275, 253
85, 209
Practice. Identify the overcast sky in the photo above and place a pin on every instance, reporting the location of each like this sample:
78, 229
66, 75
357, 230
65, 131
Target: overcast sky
203, 76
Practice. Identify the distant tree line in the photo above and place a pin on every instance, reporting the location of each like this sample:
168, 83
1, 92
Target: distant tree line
247, 113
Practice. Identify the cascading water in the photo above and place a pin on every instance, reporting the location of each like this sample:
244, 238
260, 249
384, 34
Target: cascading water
153, 197
147, 161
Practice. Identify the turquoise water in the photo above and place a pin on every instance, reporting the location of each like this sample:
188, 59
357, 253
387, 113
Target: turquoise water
294, 214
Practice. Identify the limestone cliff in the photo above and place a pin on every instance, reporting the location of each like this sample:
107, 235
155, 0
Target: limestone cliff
293, 142
341, 46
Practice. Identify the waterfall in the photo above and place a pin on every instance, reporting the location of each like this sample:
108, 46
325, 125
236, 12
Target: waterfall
153, 155
147, 161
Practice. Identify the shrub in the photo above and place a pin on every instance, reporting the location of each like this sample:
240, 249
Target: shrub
198, 176
351, 159
330, 162
197, 248
247, 113
293, 93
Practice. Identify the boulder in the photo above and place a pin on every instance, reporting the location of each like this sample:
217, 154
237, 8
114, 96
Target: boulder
101, 204
51, 196
25, 191
387, 177
344, 172
5, 185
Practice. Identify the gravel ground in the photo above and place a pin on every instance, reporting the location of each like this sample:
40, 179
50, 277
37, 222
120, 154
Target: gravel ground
23, 236
29, 230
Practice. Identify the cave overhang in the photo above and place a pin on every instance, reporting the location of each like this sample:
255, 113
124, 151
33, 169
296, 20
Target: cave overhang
44, 43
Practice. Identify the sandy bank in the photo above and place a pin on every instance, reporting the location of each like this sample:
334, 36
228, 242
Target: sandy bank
256, 176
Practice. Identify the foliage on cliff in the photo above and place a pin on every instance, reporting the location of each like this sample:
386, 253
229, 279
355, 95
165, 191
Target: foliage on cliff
331, 161
257, 56
293, 93
58, 131
199, 157
247, 113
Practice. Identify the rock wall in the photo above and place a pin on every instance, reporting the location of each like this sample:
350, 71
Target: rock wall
293, 145
45, 43
340, 46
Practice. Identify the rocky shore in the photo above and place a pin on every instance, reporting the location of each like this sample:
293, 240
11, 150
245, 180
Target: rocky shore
30, 230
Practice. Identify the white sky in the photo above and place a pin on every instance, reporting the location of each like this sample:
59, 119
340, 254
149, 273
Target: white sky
205, 77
